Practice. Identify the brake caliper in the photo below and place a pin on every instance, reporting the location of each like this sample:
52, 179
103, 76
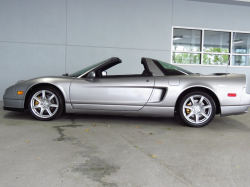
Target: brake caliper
188, 111
36, 102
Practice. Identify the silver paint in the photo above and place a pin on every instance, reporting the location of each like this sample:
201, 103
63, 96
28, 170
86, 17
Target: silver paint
174, 82
150, 96
234, 110
157, 95
125, 92
153, 68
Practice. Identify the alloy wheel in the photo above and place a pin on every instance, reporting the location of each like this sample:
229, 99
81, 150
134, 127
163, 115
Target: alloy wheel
197, 109
44, 104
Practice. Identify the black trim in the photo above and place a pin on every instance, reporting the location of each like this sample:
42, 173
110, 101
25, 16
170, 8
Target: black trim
164, 92
122, 76
14, 109
146, 69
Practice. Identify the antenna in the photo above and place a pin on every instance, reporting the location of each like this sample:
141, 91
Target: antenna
233, 41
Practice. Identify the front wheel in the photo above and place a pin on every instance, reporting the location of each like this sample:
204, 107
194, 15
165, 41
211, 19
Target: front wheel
45, 103
197, 109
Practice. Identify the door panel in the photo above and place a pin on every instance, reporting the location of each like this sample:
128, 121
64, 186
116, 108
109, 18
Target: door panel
124, 93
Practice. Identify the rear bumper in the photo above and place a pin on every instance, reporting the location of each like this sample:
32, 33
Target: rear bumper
13, 104
234, 110
245, 98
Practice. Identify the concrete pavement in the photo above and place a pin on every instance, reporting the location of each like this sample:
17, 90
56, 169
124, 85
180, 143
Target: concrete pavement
110, 151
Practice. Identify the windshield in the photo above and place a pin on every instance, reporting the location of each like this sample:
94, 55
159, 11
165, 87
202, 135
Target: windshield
82, 71
170, 69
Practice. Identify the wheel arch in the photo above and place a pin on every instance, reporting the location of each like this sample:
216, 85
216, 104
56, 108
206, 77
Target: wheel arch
199, 88
31, 88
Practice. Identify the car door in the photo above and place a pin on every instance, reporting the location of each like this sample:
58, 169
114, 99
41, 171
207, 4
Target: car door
111, 93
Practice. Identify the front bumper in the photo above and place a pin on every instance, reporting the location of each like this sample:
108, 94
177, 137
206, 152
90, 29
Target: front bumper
10, 100
14, 109
13, 104
234, 110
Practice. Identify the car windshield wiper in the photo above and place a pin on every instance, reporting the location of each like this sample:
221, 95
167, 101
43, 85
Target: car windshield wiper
66, 74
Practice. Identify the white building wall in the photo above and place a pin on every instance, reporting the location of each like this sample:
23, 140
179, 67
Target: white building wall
212, 16
51, 37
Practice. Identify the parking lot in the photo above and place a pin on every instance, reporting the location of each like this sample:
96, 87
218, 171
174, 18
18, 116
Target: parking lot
90, 150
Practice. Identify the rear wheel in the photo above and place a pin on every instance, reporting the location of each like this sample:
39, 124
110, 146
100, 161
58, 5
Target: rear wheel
45, 103
197, 109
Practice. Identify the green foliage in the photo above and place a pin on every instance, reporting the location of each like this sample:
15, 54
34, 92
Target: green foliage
208, 59
186, 58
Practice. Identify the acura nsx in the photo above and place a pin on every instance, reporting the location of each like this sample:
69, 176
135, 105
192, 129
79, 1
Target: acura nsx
161, 90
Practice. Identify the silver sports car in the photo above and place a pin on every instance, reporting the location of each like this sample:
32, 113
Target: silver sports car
161, 90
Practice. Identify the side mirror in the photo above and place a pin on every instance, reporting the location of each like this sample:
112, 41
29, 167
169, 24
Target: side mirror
104, 73
90, 76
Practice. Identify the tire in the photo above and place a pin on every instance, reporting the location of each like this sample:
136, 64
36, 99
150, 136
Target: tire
45, 103
197, 109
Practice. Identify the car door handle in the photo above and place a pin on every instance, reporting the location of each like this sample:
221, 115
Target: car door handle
147, 80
